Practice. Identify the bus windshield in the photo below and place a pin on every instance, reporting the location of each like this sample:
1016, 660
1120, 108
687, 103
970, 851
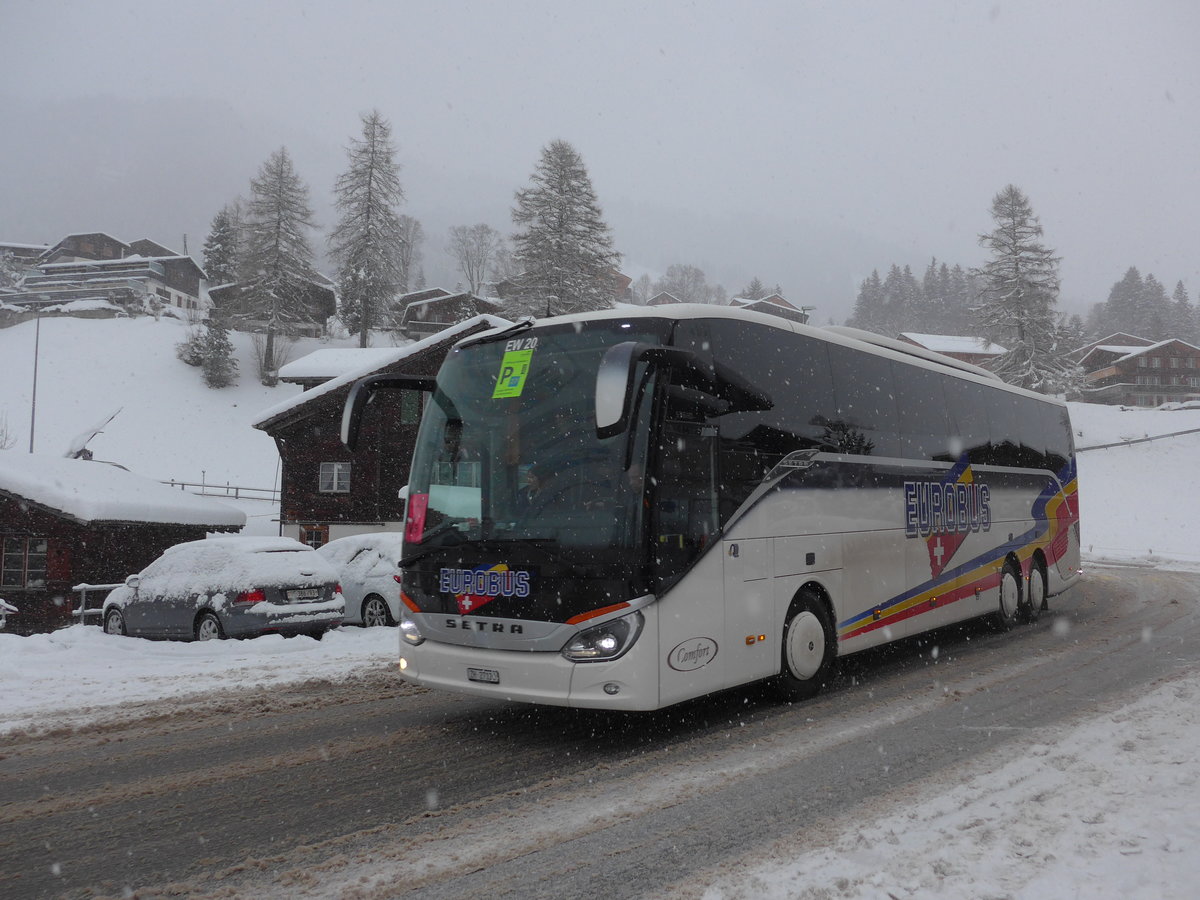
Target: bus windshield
508, 449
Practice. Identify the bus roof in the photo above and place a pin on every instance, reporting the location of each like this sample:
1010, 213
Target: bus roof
858, 339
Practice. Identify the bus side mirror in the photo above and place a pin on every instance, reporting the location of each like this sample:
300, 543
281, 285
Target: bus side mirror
615, 381
361, 393
618, 368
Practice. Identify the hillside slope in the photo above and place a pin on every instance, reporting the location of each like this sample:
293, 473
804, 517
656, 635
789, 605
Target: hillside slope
170, 425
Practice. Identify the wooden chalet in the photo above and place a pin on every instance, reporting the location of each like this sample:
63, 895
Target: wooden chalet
99, 266
775, 305
965, 348
319, 303
1149, 374
70, 521
1118, 339
326, 491
431, 314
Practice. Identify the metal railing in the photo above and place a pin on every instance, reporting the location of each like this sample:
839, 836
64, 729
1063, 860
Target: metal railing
83, 610
1142, 440
233, 491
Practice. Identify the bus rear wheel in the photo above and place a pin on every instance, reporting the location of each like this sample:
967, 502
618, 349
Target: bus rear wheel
809, 648
1009, 608
1035, 592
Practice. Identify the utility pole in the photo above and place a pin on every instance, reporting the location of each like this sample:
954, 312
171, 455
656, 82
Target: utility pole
37, 338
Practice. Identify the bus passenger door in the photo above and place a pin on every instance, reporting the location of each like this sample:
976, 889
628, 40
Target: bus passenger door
751, 637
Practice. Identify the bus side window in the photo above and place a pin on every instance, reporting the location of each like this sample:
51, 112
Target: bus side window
863, 385
970, 433
924, 423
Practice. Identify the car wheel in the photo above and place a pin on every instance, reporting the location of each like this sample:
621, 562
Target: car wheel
114, 621
809, 648
208, 627
1036, 593
375, 612
1007, 612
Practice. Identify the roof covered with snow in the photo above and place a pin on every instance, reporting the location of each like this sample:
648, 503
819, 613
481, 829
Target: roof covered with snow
953, 343
395, 355
99, 492
331, 363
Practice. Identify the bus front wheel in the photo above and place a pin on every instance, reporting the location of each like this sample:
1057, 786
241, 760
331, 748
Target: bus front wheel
809, 647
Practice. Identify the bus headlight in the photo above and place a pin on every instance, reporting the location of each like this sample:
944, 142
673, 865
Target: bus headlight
601, 643
410, 633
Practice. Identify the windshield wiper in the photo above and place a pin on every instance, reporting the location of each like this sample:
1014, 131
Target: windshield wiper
444, 528
524, 325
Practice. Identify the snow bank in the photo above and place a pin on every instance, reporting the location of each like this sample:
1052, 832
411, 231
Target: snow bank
80, 675
1101, 810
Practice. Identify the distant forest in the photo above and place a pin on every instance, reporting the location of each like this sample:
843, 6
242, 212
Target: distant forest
943, 301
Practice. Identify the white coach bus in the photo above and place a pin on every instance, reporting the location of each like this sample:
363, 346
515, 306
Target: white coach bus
630, 508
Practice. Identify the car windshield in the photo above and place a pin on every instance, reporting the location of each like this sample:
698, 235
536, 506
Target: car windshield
508, 448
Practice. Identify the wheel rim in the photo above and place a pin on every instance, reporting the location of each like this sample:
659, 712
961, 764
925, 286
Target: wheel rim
1010, 594
209, 629
805, 645
113, 623
374, 612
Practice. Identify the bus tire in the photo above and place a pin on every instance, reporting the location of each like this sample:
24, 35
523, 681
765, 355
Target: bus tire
1009, 606
809, 648
1035, 592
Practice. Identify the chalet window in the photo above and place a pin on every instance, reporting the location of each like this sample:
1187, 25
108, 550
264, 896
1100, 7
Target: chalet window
1173, 362
1189, 362
410, 407
1142, 363
23, 562
1156, 363
335, 478
314, 535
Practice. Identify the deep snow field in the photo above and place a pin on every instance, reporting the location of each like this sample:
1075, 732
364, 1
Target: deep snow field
1104, 808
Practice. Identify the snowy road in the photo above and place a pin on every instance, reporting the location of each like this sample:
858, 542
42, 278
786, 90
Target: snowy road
370, 789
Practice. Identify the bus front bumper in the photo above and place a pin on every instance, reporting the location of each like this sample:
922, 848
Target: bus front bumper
627, 683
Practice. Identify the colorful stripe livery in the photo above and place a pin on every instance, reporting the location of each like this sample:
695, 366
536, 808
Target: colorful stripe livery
1053, 513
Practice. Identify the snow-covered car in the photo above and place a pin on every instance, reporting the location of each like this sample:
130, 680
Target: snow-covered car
368, 567
228, 587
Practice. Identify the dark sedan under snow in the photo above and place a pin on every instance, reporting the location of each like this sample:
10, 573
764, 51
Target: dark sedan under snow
228, 587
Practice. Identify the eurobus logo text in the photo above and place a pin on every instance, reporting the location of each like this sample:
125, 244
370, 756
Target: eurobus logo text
492, 583
931, 507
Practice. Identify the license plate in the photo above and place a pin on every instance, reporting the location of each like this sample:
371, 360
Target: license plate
304, 594
487, 676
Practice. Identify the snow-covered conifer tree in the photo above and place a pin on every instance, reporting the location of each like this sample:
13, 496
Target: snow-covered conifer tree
1018, 294
11, 274
755, 290
277, 266
562, 244
1183, 316
868, 311
222, 247
220, 366
368, 239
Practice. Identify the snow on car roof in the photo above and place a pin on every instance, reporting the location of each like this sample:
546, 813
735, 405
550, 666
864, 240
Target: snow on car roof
236, 564
92, 491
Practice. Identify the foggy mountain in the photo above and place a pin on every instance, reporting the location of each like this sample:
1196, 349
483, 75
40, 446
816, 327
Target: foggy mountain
96, 166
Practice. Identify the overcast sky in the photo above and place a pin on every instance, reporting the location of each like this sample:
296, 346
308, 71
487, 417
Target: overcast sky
801, 142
